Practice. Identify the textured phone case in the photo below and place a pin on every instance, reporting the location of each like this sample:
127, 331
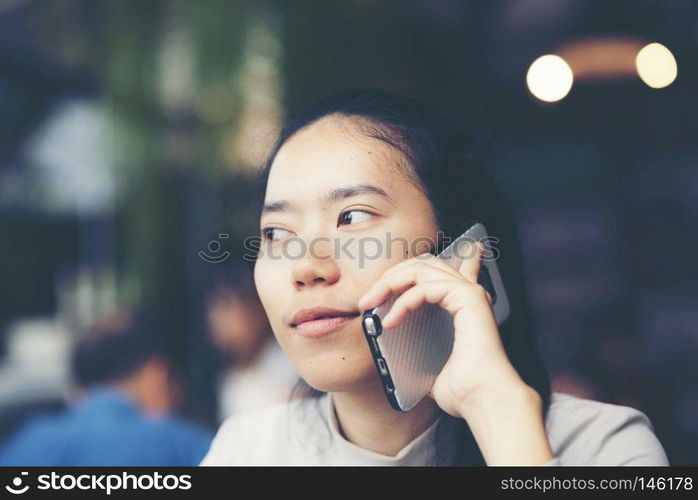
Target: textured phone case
410, 357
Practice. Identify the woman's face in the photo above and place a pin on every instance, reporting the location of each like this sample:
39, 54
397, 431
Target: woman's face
325, 241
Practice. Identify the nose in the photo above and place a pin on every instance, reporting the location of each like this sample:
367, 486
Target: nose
316, 267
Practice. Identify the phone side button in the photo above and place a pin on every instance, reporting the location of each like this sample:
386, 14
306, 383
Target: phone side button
382, 366
374, 345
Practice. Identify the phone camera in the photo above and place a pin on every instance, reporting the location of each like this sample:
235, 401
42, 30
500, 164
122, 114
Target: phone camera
372, 325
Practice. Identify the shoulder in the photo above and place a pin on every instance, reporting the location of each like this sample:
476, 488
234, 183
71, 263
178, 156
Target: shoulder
587, 432
183, 427
31, 440
264, 436
183, 430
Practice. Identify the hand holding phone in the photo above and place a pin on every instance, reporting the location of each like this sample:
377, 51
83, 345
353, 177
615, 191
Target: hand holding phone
410, 356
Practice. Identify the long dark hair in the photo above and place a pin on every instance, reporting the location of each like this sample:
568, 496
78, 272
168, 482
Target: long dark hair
446, 165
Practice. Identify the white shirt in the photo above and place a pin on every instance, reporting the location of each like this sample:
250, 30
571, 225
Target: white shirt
268, 380
306, 432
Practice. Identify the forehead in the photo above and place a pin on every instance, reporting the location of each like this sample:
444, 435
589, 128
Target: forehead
328, 154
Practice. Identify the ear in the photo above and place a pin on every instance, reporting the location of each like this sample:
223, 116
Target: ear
156, 368
155, 389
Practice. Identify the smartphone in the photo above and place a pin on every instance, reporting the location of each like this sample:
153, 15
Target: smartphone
410, 356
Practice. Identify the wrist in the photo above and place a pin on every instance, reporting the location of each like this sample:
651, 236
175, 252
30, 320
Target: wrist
507, 423
499, 399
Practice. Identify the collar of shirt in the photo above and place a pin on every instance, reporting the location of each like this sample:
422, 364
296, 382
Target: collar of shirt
105, 398
417, 452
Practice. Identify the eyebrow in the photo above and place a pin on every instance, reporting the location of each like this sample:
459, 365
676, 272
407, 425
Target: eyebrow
333, 196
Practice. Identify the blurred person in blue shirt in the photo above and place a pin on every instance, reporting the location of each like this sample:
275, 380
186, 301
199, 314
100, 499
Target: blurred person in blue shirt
254, 372
121, 415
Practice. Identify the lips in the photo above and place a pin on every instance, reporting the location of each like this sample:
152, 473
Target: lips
316, 313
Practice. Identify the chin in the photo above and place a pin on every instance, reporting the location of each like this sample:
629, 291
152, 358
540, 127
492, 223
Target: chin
336, 371
338, 362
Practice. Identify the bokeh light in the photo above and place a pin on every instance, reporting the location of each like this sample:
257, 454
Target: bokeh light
656, 65
549, 78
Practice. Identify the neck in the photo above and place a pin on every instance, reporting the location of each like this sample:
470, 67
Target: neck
128, 388
366, 419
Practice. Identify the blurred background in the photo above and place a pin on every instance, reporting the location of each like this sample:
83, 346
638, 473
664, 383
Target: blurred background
131, 133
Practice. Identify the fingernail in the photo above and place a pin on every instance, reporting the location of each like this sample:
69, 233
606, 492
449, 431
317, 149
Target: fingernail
388, 318
362, 302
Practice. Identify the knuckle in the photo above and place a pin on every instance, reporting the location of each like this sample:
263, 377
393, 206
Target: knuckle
399, 267
479, 292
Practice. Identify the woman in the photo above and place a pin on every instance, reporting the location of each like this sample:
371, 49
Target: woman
357, 167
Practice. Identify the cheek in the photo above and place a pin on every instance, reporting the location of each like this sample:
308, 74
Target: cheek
267, 280
333, 364
366, 258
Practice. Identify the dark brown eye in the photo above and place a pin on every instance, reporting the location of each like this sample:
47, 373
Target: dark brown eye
347, 217
268, 233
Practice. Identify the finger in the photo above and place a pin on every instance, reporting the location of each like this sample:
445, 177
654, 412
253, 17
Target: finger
426, 258
422, 257
470, 256
452, 295
465, 260
432, 292
399, 281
